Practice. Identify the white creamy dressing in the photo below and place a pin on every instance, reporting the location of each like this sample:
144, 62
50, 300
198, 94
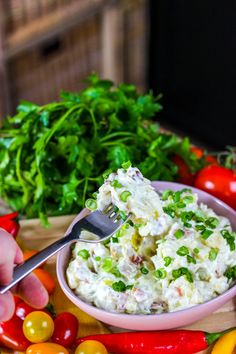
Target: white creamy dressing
159, 262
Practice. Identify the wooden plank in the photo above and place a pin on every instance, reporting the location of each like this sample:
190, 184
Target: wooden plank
5, 96
51, 25
113, 43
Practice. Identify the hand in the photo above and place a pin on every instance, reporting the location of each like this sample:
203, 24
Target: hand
30, 288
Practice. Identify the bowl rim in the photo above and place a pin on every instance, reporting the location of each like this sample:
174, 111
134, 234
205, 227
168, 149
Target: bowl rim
228, 294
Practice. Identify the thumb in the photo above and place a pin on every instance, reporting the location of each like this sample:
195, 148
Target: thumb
7, 306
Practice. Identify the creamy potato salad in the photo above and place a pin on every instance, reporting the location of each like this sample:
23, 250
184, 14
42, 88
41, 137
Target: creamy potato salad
173, 253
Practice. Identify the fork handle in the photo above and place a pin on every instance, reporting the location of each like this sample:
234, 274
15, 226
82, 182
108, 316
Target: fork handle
21, 271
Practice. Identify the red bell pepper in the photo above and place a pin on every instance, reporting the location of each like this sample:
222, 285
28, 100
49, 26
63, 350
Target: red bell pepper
156, 342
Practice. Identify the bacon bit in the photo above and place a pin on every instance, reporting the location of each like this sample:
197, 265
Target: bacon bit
180, 292
136, 259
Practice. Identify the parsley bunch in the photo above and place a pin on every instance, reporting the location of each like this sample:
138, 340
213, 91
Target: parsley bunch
52, 157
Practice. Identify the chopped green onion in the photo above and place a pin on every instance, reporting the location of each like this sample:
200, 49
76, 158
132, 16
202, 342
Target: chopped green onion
179, 233
126, 165
181, 205
95, 194
176, 273
206, 233
160, 273
116, 184
213, 254
196, 250
129, 287
167, 261
107, 264
122, 215
106, 173
187, 224
200, 227
83, 254
130, 222
124, 196
182, 251
176, 196
97, 258
170, 210
91, 204
165, 195
212, 222
144, 270
115, 240
119, 286
190, 259
230, 273
188, 199
229, 239
115, 271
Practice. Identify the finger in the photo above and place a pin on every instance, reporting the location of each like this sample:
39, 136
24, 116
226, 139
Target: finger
32, 291
7, 256
19, 258
7, 306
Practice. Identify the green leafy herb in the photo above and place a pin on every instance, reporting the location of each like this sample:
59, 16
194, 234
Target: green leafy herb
53, 157
230, 238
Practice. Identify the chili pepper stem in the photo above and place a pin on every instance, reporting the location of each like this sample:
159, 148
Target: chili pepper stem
212, 337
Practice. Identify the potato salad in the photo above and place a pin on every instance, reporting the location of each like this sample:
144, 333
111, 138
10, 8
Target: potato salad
171, 254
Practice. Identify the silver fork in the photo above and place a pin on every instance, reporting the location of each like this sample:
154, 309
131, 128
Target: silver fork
103, 224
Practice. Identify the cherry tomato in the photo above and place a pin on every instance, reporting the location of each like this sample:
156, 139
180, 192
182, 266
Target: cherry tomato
11, 334
218, 181
209, 159
46, 348
46, 279
91, 347
184, 174
23, 309
38, 327
66, 328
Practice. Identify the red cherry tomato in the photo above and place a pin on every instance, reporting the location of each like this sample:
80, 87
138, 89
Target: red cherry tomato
218, 181
11, 334
185, 176
23, 309
209, 159
46, 348
66, 328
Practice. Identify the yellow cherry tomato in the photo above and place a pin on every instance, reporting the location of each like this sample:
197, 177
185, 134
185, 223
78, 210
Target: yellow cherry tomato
226, 344
91, 347
46, 348
38, 327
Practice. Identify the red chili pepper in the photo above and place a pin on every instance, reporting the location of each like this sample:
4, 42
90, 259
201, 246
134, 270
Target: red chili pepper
10, 224
11, 216
12, 336
161, 342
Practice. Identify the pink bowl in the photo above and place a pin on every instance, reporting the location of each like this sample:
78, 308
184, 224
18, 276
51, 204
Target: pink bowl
165, 320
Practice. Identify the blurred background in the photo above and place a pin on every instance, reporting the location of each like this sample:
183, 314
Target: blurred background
184, 49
